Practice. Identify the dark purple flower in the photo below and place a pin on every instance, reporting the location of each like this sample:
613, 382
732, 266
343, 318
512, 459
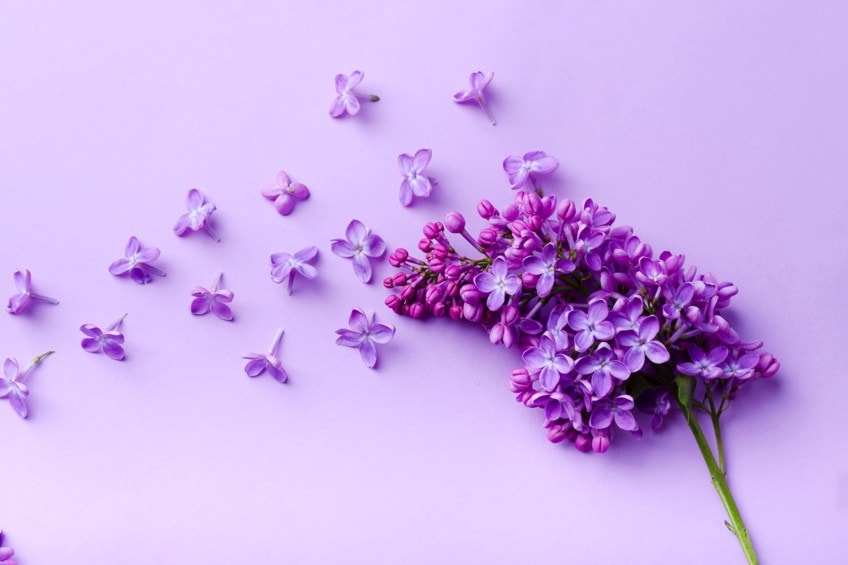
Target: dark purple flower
347, 99
360, 245
642, 344
678, 301
604, 367
609, 410
109, 342
415, 181
497, 283
591, 326
656, 402
18, 303
12, 387
547, 362
703, 364
651, 273
285, 266
522, 171
136, 262
479, 82
6, 553
198, 217
258, 363
628, 318
213, 299
364, 334
285, 193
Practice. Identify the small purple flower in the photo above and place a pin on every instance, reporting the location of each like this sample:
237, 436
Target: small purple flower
215, 299
199, 216
642, 344
497, 283
285, 193
522, 171
479, 82
364, 335
609, 410
678, 301
348, 98
137, 262
604, 367
591, 326
546, 265
703, 364
628, 318
284, 266
359, 245
741, 368
109, 342
556, 404
12, 386
258, 363
651, 273
550, 364
6, 553
415, 181
18, 303
654, 401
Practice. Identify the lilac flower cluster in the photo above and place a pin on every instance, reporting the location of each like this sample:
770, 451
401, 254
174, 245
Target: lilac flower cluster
599, 318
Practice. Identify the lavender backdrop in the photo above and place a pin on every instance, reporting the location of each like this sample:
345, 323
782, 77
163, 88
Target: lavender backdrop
719, 131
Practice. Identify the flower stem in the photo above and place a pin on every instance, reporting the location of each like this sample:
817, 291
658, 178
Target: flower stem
116, 324
42, 357
278, 337
736, 525
719, 444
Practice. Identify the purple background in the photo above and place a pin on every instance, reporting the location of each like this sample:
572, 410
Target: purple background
718, 131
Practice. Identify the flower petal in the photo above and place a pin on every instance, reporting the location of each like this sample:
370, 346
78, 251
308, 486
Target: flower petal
342, 248
194, 199
422, 159
222, 310
656, 352
91, 345
382, 333
23, 281
200, 306
182, 226
255, 367
368, 353
119, 267
10, 368
113, 350
337, 108
132, 247
352, 105
356, 232
18, 402
284, 204
373, 245
349, 338
405, 164
306, 254
362, 267
358, 321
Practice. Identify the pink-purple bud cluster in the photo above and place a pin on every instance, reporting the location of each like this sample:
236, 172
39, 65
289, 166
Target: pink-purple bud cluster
603, 324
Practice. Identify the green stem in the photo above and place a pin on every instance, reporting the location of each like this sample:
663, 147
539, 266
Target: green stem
736, 525
719, 444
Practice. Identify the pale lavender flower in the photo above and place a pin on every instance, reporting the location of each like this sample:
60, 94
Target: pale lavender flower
285, 193
12, 386
284, 266
136, 262
109, 342
604, 367
546, 265
359, 245
415, 181
546, 361
258, 363
497, 283
629, 316
347, 99
556, 404
591, 326
18, 303
6, 553
609, 410
199, 216
741, 368
213, 299
642, 344
703, 364
364, 334
522, 171
478, 82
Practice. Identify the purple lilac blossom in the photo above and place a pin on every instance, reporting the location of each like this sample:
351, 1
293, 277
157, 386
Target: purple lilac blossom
347, 98
365, 334
415, 180
136, 262
284, 266
599, 317
12, 387
360, 245
214, 299
199, 216
18, 303
110, 341
285, 193
258, 363
478, 82
522, 171
6, 553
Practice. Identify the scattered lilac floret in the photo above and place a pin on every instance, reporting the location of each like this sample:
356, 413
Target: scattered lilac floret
199, 216
110, 341
18, 303
522, 171
478, 82
136, 262
258, 363
361, 245
415, 181
12, 387
347, 99
284, 266
364, 334
6, 553
285, 193
214, 299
